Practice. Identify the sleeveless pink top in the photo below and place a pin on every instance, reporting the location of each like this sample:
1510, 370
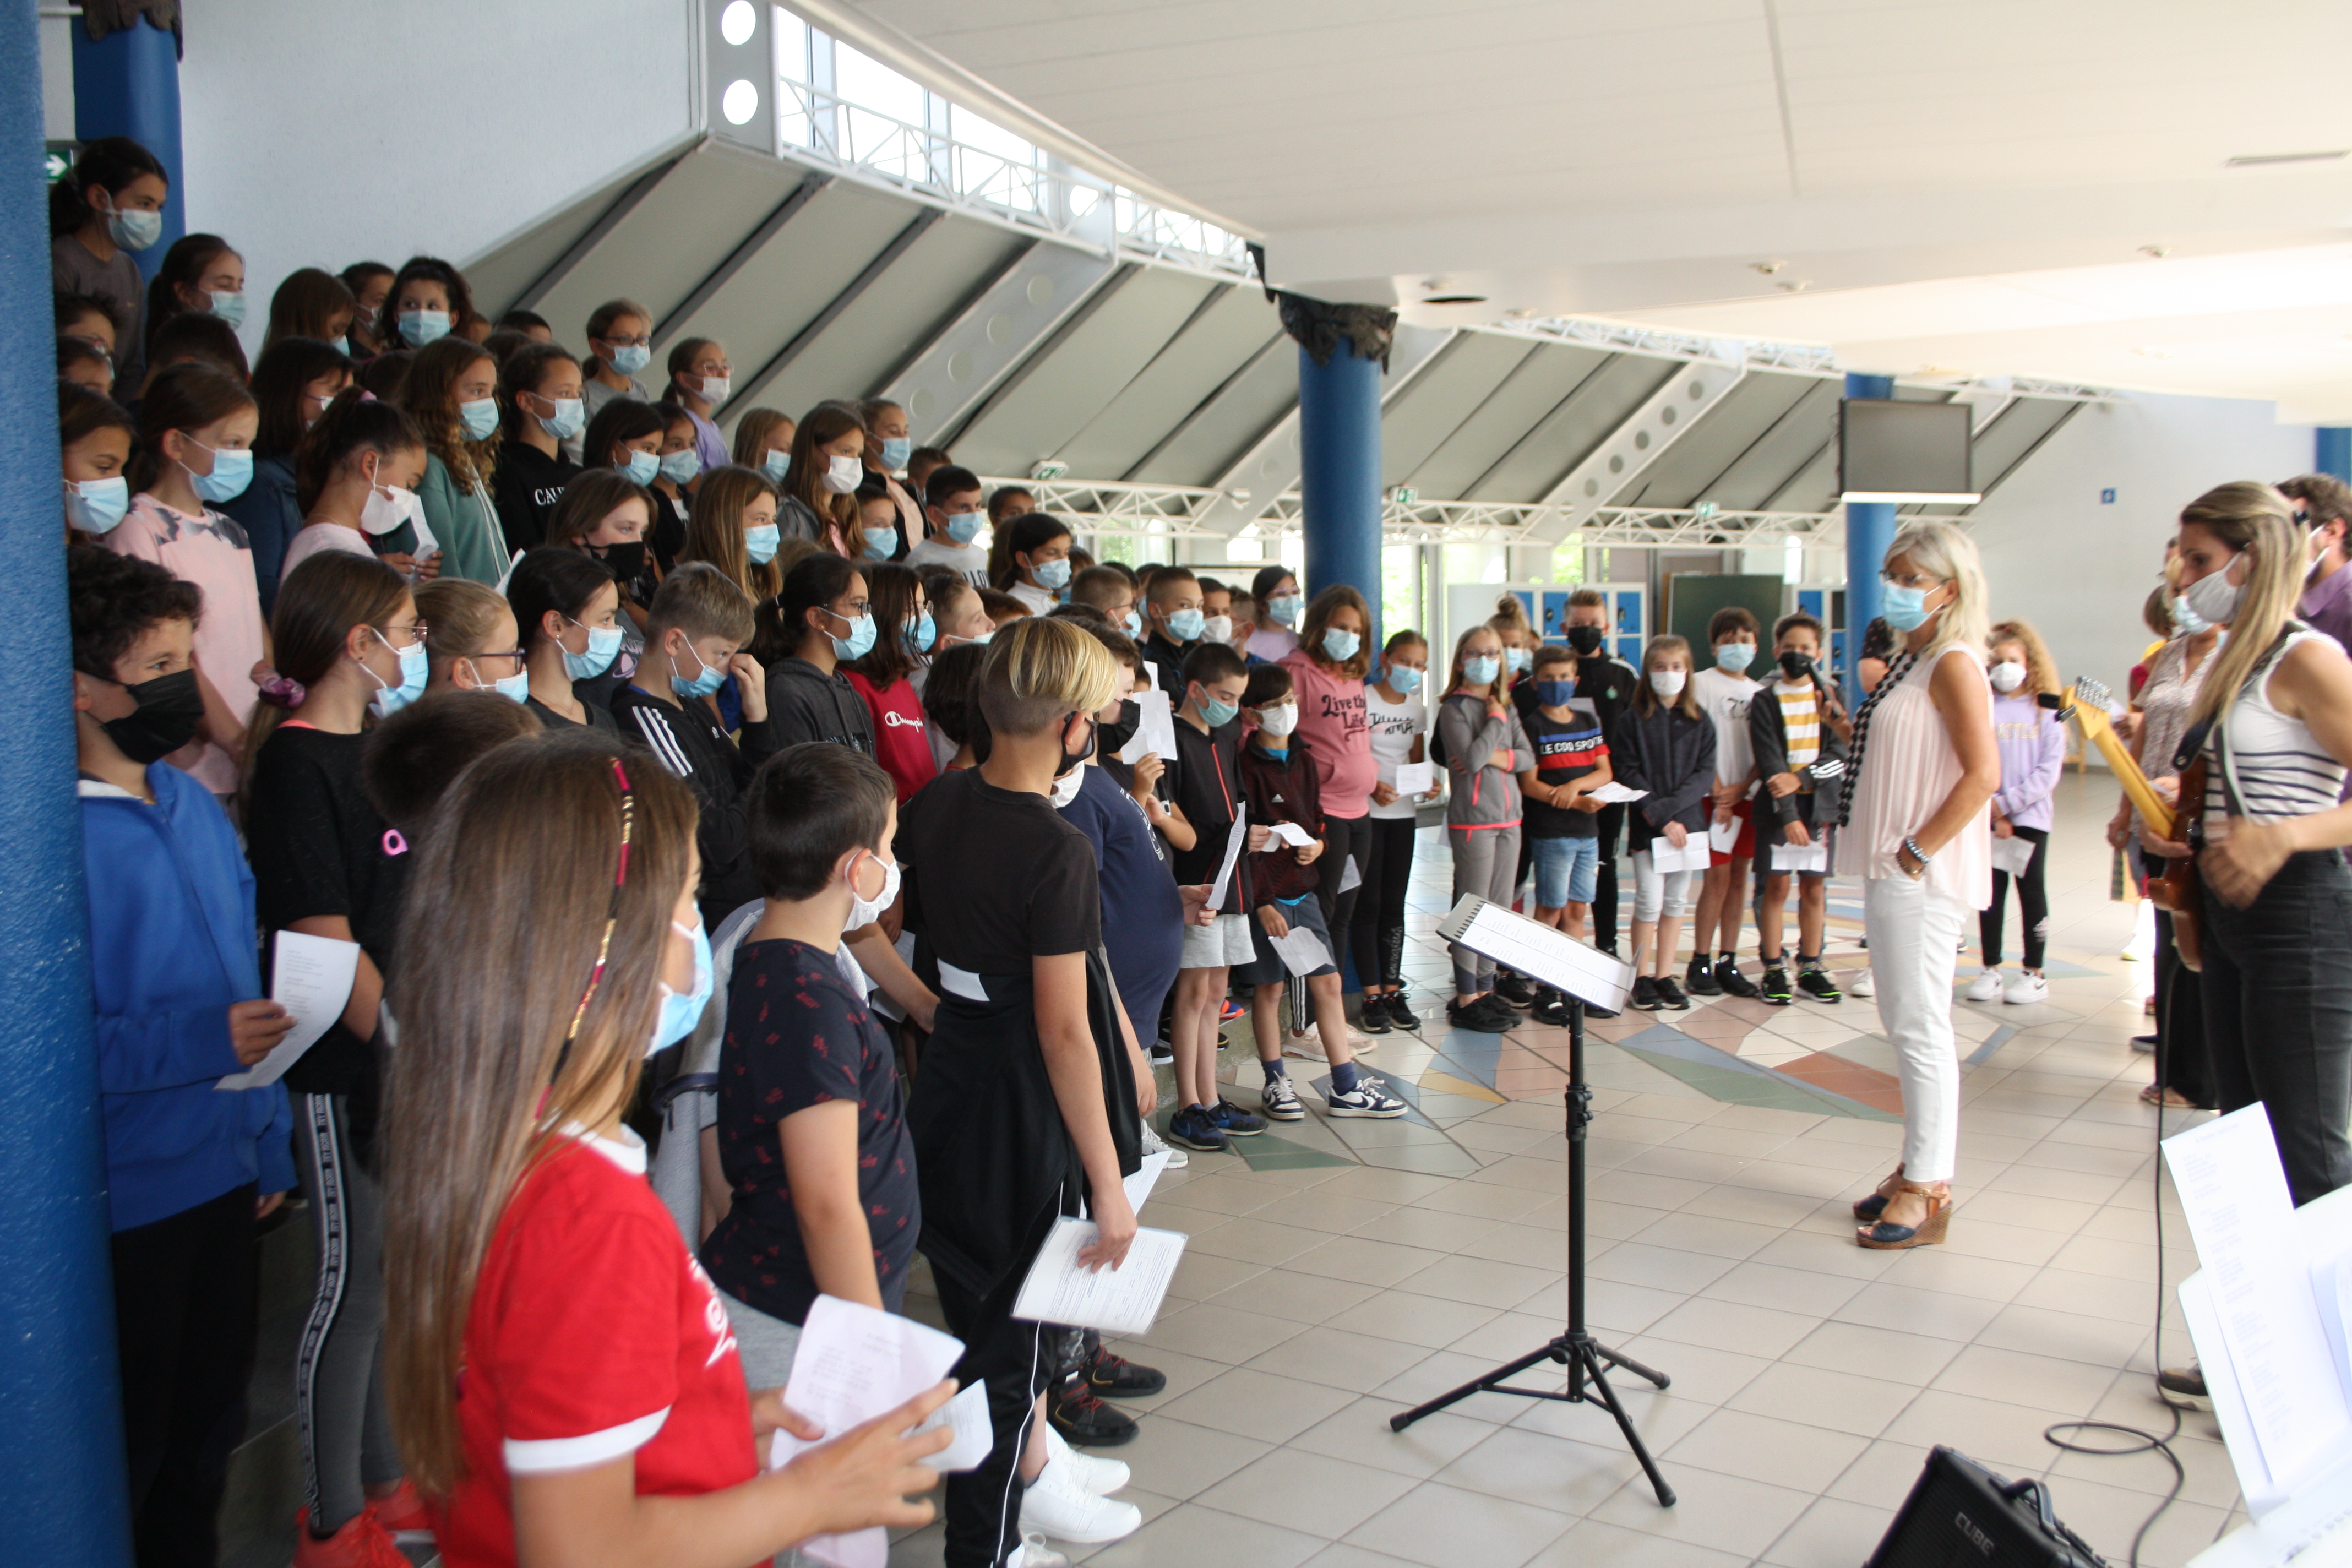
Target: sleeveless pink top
1908, 767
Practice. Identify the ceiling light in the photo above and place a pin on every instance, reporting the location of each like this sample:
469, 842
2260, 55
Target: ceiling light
2158, 252
1456, 300
1766, 268
2149, 351
2260, 160
1795, 286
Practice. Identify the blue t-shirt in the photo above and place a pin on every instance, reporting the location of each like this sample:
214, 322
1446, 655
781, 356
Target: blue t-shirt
1142, 914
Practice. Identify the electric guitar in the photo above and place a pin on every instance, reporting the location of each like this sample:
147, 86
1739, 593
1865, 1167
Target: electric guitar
2178, 891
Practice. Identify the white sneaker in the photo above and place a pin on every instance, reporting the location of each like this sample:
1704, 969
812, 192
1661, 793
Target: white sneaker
1155, 1144
1361, 1043
1986, 988
1033, 1553
1863, 985
1100, 1477
1056, 1505
2024, 987
1306, 1048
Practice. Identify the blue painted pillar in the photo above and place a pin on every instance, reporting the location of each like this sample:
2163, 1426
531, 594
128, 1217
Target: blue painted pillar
1869, 530
2334, 452
1340, 474
128, 84
61, 1440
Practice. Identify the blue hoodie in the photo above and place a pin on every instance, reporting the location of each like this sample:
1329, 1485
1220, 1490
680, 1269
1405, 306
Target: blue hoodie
172, 944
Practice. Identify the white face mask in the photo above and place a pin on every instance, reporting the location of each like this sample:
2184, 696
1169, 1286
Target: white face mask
1218, 629
844, 475
715, 388
1278, 721
387, 507
1668, 683
1066, 788
2007, 676
2214, 596
862, 910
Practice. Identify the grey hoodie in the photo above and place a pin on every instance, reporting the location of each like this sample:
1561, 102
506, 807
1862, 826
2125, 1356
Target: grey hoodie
806, 704
1484, 794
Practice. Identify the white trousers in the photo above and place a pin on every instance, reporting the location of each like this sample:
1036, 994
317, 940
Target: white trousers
1657, 893
1914, 939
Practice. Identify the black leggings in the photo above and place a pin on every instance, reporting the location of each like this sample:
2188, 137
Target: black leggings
2183, 1062
2033, 903
1345, 838
1377, 933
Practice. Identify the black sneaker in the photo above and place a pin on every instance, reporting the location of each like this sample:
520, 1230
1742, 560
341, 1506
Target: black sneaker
1670, 994
1161, 1053
1115, 1374
1776, 986
1734, 983
1646, 995
1373, 1017
1084, 1420
1402, 1016
1550, 1008
1815, 982
1699, 979
1516, 989
1484, 1015
2184, 1387
1194, 1128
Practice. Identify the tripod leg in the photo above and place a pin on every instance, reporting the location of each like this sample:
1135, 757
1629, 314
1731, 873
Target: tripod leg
1556, 1350
1590, 1356
1659, 1379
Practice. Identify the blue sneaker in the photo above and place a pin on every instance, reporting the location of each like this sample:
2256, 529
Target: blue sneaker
1236, 1122
1195, 1127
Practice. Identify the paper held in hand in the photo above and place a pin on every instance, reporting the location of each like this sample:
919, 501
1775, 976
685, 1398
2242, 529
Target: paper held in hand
1553, 957
1123, 1300
312, 976
1301, 949
1415, 778
1722, 835
1694, 856
1235, 836
1808, 857
1290, 833
2011, 855
1155, 728
1612, 792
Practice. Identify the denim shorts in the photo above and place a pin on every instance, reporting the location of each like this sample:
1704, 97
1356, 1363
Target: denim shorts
1567, 870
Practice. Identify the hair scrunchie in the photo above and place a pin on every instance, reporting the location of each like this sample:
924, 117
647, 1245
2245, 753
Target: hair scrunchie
283, 691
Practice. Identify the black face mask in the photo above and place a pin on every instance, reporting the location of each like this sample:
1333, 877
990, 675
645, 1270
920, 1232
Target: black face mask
1584, 639
625, 561
1797, 665
1116, 734
1072, 758
171, 707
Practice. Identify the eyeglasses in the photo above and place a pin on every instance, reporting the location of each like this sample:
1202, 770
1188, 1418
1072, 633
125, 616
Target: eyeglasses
1910, 580
409, 635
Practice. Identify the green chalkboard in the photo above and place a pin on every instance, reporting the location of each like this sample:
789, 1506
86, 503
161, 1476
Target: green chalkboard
1693, 597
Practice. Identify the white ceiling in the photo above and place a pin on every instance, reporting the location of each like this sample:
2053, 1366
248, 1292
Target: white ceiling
1965, 185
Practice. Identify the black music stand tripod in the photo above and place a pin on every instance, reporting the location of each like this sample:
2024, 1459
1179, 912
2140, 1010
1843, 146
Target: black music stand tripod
1576, 1350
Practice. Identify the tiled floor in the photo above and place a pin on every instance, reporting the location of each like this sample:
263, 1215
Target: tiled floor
1341, 1271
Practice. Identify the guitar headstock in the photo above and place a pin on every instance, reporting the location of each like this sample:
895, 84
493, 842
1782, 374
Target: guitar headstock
2089, 704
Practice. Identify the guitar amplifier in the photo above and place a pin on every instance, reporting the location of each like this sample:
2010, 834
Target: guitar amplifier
1961, 1515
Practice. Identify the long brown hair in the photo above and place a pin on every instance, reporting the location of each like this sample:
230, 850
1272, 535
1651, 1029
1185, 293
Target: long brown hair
714, 530
305, 303
2258, 523
489, 1068
1457, 680
891, 593
804, 480
1646, 699
318, 604
1319, 610
180, 398
752, 433
430, 395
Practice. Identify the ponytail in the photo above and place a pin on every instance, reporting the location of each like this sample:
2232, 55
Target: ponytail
356, 421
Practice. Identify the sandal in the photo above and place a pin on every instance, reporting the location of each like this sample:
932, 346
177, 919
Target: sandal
1876, 1204
2170, 1099
1929, 1232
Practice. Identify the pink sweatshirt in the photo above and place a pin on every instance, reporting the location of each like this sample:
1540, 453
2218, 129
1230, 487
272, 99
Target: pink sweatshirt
1332, 717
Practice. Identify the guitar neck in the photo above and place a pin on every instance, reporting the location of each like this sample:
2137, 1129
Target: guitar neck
2150, 804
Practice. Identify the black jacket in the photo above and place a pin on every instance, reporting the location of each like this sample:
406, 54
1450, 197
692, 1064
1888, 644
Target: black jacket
1765, 730
525, 486
688, 741
1670, 754
806, 704
1168, 659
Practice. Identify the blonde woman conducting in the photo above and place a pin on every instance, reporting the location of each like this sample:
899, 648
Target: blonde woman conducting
1922, 768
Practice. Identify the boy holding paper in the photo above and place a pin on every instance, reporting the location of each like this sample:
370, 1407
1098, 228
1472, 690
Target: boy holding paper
1278, 780
190, 1170
1793, 727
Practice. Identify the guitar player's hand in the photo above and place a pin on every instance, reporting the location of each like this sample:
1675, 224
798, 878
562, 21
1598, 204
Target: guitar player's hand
2242, 857
2168, 789
2120, 827
2166, 848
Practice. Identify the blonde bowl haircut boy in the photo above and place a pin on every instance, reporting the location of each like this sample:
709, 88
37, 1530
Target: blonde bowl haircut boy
699, 600
489, 1068
2258, 523
1646, 699
2041, 669
1040, 671
458, 616
1945, 550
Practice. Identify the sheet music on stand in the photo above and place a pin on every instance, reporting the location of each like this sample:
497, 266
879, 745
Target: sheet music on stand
1552, 956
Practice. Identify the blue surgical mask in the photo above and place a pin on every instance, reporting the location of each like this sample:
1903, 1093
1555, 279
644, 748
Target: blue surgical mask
1283, 608
1517, 658
570, 419
134, 230
422, 327
603, 642
516, 685
1482, 671
1052, 575
96, 506
1340, 644
390, 699
643, 467
1217, 714
682, 467
711, 679
860, 640
1906, 609
1402, 681
631, 358
232, 471
1735, 656
895, 450
678, 1014
1554, 694
480, 419
964, 526
776, 465
229, 307
923, 634
760, 542
880, 542
1187, 625
1132, 625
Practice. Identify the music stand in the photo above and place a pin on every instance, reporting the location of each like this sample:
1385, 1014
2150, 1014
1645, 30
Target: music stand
1581, 974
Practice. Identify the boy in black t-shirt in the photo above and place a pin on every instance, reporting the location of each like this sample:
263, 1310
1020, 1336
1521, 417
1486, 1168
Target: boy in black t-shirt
1571, 759
1028, 1103
812, 1134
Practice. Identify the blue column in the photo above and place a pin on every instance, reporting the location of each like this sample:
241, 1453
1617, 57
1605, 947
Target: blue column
61, 1442
128, 84
2334, 452
1340, 474
1869, 530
